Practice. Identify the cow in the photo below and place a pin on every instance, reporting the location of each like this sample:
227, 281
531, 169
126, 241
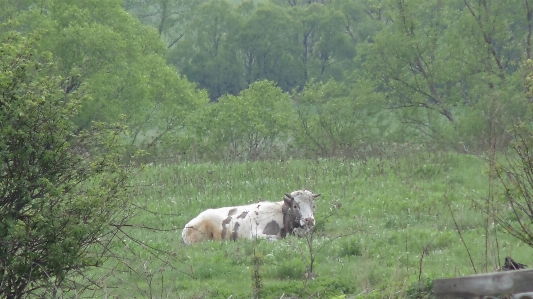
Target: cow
269, 220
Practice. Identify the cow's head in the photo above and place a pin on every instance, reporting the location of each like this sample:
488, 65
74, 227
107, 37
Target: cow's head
300, 209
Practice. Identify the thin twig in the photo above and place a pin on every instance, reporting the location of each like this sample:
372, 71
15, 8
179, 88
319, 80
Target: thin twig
461, 236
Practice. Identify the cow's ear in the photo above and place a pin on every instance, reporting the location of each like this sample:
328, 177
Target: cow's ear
287, 201
316, 195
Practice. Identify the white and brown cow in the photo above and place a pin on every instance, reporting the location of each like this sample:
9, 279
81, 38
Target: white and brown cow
270, 220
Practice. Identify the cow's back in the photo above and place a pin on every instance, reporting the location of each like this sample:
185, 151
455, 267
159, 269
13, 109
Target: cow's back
263, 219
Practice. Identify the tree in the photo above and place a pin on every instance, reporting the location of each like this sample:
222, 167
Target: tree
228, 47
500, 34
118, 63
514, 209
207, 54
334, 120
59, 190
250, 125
103, 52
362, 19
441, 65
410, 58
327, 51
168, 127
269, 46
170, 17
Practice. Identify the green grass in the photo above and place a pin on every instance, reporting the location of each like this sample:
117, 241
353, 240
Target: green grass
393, 215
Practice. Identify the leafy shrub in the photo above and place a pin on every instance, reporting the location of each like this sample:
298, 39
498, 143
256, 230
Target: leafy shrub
419, 290
249, 126
60, 192
332, 121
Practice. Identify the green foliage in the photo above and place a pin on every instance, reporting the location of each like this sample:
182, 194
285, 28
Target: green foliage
270, 48
170, 17
116, 65
206, 55
333, 121
430, 61
449, 74
514, 175
422, 289
421, 71
99, 52
350, 246
248, 126
59, 190
410, 58
228, 47
328, 50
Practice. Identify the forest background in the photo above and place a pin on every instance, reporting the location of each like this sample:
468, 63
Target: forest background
194, 81
237, 81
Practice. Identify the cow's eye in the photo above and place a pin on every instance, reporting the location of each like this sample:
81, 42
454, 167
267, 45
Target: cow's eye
295, 206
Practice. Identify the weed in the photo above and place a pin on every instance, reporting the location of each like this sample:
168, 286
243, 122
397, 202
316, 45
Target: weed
420, 290
257, 283
350, 246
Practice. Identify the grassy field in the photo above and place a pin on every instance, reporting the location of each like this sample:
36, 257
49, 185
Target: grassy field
385, 230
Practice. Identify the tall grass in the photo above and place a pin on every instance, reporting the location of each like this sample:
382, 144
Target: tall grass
394, 213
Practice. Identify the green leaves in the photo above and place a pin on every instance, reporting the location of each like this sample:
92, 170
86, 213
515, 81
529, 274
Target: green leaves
59, 190
248, 126
207, 55
115, 68
442, 66
226, 48
331, 120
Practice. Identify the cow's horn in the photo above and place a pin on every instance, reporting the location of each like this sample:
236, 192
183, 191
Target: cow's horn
289, 196
316, 195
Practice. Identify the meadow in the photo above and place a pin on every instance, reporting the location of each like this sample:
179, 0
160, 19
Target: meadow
384, 229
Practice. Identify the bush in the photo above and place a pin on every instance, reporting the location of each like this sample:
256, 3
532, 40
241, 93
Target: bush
250, 126
59, 190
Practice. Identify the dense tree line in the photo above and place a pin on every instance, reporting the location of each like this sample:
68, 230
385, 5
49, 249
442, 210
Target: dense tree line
437, 70
352, 74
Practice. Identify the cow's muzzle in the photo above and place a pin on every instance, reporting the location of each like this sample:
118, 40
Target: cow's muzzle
307, 222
